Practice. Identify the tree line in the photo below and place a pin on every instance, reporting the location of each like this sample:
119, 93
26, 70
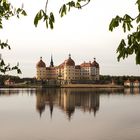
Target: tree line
104, 79
16, 79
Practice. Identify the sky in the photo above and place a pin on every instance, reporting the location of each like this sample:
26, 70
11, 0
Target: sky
82, 33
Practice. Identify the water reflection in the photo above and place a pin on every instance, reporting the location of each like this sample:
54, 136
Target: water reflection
68, 100
117, 114
131, 90
12, 91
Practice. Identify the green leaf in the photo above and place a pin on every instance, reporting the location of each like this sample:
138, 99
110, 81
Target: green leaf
127, 20
38, 17
24, 13
19, 10
138, 36
130, 40
78, 5
19, 71
2, 70
138, 18
52, 17
138, 3
138, 57
121, 50
63, 10
47, 23
115, 23
2, 63
51, 23
45, 17
124, 26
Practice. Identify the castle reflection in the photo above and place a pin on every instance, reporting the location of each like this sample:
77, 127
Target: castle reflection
70, 99
67, 100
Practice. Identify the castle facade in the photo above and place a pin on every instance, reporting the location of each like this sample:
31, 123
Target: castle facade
68, 71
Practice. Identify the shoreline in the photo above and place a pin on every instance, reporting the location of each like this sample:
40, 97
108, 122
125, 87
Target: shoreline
66, 86
91, 86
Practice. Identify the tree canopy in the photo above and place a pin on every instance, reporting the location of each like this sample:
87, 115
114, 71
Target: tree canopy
130, 45
6, 12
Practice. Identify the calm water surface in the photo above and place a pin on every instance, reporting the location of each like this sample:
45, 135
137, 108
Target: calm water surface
69, 114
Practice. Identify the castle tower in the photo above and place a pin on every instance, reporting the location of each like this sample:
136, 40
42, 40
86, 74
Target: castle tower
96, 70
69, 69
41, 70
51, 63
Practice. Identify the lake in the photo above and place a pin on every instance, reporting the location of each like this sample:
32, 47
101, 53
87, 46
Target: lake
69, 114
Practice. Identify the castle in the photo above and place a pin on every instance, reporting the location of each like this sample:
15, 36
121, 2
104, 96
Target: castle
67, 72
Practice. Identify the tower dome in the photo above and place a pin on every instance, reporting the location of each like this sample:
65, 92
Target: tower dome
40, 63
95, 64
69, 61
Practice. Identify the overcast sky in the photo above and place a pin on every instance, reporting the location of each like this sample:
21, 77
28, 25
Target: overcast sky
83, 33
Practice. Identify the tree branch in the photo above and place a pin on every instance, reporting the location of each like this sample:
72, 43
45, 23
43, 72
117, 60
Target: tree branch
85, 4
46, 6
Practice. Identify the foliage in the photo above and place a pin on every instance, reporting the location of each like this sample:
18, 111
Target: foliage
6, 12
107, 79
49, 19
132, 44
126, 47
5, 77
16, 79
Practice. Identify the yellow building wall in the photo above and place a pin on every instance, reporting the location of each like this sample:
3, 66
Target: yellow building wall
41, 73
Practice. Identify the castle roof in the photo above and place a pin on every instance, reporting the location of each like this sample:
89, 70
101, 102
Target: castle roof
61, 65
136, 81
95, 64
40, 63
69, 61
86, 64
77, 67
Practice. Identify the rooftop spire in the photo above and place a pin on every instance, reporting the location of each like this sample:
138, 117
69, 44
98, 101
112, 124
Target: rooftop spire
41, 58
51, 63
94, 59
69, 55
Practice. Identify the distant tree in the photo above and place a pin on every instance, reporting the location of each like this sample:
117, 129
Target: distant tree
6, 12
107, 79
